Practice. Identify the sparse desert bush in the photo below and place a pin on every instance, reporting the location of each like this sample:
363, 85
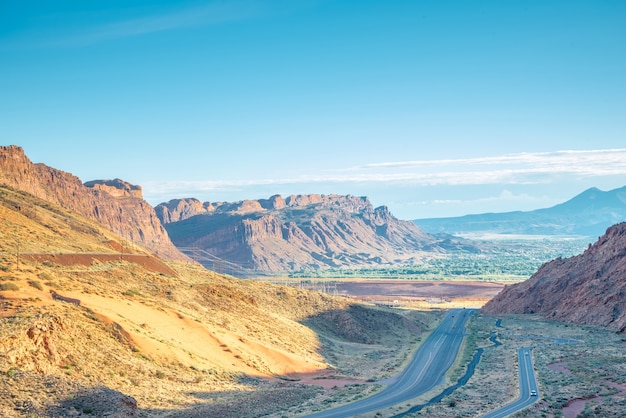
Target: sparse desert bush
131, 292
54, 285
9, 286
36, 284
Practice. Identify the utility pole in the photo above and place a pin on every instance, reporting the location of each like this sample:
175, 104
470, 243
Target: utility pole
17, 256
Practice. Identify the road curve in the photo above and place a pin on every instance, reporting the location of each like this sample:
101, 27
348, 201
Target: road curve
527, 385
426, 370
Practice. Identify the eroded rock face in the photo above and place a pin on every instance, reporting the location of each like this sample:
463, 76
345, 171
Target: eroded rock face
116, 204
297, 232
588, 289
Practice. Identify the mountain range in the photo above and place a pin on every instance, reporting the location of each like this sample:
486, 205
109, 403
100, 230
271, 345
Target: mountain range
92, 325
300, 232
588, 214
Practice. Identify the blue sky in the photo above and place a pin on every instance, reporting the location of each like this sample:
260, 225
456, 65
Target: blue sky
433, 108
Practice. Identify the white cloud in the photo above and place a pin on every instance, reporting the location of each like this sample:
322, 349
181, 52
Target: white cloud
524, 168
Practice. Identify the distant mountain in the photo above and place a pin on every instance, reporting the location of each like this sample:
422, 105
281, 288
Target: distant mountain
588, 214
587, 289
298, 232
115, 204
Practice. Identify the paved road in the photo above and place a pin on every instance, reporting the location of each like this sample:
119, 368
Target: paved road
527, 384
426, 371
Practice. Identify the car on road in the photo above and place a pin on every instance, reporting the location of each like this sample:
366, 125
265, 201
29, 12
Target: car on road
533, 393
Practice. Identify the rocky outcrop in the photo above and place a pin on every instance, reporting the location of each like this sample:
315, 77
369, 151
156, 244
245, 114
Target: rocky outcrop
298, 232
116, 204
588, 289
116, 188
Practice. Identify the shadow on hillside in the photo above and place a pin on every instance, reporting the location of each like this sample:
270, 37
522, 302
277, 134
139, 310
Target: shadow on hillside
375, 331
105, 402
258, 403
98, 402
362, 325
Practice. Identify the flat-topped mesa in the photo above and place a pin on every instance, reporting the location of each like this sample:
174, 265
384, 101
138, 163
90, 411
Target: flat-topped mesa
177, 210
348, 203
116, 188
312, 231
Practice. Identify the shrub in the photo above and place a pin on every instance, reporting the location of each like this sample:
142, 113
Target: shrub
53, 285
131, 292
36, 284
9, 286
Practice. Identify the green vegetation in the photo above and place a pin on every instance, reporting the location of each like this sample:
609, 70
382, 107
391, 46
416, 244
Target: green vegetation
510, 260
9, 286
36, 284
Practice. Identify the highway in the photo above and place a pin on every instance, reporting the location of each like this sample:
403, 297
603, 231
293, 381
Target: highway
426, 370
527, 386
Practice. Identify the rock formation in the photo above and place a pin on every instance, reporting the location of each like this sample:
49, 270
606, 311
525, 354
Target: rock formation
588, 289
298, 232
116, 204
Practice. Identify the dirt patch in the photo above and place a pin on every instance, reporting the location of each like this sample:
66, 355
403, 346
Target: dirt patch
560, 367
412, 291
87, 259
576, 406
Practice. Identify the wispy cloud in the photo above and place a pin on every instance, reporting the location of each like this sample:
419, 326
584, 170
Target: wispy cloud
522, 168
80, 32
212, 13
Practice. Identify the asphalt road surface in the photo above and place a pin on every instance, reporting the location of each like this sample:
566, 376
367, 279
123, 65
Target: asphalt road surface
529, 392
426, 371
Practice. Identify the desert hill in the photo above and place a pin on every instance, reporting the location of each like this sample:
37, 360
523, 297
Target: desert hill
116, 204
588, 214
588, 289
300, 232
92, 325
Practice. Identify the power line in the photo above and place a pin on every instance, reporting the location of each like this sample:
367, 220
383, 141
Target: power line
219, 265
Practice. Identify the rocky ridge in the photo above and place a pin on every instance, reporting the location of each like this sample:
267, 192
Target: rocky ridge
588, 289
298, 232
588, 214
116, 204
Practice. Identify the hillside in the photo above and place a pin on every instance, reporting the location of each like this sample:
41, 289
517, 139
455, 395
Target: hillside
303, 232
91, 324
587, 214
588, 289
116, 204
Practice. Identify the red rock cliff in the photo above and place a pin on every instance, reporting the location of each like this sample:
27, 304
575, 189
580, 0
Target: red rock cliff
116, 204
588, 289
298, 232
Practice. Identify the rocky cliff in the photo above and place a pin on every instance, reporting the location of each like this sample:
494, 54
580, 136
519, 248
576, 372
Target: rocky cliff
588, 289
115, 204
298, 232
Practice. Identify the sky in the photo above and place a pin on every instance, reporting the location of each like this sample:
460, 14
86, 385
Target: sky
432, 108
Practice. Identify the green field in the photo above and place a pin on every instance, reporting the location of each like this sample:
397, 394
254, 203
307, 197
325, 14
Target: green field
510, 259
